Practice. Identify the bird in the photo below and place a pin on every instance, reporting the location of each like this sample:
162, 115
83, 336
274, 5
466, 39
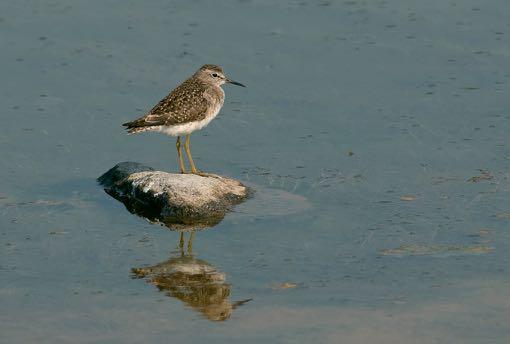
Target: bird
189, 107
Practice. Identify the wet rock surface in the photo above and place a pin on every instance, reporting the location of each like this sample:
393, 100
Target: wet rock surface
180, 201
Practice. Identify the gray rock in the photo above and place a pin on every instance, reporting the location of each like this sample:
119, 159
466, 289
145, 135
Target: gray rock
180, 201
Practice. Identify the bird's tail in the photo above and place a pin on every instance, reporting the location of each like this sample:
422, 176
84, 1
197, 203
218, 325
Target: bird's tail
136, 126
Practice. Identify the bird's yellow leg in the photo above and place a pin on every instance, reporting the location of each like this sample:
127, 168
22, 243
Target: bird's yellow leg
179, 153
190, 242
181, 240
190, 158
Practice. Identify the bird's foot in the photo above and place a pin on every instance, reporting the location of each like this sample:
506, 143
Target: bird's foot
201, 174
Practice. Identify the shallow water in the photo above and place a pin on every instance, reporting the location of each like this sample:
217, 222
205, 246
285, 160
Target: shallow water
385, 123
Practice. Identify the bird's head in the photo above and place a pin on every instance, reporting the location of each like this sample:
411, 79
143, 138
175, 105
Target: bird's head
213, 74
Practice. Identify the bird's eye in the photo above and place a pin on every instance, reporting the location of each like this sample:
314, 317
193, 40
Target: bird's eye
215, 75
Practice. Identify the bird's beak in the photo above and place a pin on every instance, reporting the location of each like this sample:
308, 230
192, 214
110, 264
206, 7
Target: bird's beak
234, 82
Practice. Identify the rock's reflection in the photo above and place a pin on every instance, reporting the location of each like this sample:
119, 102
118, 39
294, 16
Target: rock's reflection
193, 281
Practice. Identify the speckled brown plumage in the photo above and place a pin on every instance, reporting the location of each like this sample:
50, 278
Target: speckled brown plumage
212, 67
184, 104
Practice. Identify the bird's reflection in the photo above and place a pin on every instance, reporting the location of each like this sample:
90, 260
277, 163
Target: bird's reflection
193, 281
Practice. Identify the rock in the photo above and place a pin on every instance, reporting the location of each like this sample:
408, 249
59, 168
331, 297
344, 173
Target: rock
120, 171
180, 201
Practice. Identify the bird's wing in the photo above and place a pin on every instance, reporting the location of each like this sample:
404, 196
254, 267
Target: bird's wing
184, 104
